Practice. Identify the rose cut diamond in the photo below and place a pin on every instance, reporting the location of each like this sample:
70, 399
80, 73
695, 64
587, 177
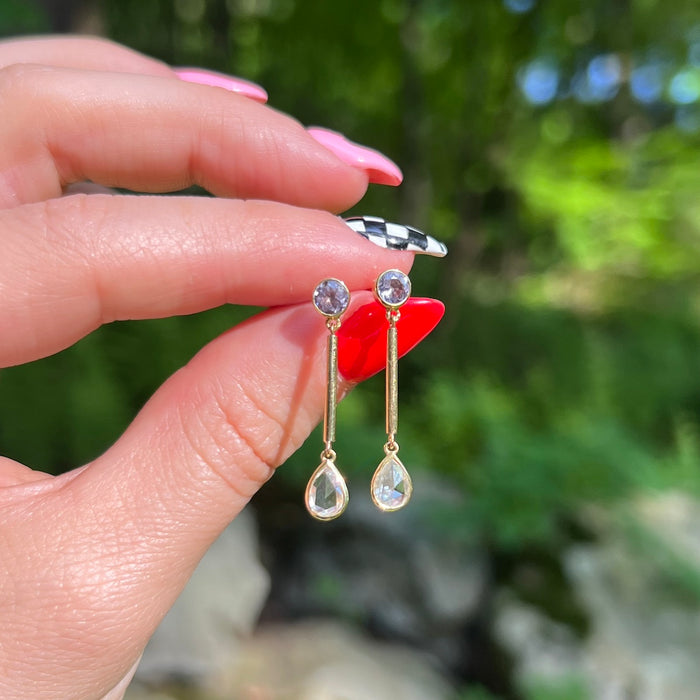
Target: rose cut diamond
393, 288
326, 492
391, 484
331, 297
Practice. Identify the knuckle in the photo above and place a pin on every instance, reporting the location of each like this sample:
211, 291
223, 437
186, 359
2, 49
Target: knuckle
231, 438
15, 74
64, 231
18, 79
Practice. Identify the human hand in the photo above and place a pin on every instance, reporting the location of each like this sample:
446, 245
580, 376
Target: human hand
93, 559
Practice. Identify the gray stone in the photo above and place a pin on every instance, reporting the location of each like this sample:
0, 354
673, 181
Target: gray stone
646, 631
644, 641
452, 579
330, 661
545, 651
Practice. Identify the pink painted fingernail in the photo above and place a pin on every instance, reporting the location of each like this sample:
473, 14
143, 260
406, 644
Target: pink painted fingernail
380, 169
227, 82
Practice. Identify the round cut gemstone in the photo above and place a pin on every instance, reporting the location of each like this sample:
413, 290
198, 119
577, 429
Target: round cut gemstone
393, 288
331, 297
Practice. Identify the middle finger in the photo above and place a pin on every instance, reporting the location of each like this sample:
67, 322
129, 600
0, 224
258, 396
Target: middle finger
155, 134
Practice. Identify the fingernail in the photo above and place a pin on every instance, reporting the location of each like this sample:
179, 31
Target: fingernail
227, 82
379, 168
362, 336
396, 236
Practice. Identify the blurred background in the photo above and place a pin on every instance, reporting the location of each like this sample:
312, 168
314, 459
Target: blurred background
551, 423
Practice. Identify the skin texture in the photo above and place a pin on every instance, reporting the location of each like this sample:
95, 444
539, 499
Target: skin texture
92, 560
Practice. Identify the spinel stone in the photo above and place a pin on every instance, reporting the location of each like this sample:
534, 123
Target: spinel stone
391, 484
393, 288
326, 493
331, 297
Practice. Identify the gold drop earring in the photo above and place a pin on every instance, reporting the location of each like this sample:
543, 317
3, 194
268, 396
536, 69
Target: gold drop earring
327, 493
391, 485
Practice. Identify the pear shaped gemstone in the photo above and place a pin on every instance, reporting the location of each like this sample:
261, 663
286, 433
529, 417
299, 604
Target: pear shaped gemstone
391, 484
326, 493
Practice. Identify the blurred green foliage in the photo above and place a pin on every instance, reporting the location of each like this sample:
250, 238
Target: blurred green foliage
22, 17
568, 689
553, 145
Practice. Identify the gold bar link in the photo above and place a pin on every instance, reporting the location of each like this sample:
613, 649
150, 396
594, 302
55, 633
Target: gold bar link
392, 379
331, 390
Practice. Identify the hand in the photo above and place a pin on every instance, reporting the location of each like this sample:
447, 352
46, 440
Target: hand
93, 559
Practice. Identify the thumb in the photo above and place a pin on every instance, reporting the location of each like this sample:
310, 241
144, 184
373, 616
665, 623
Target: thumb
120, 537
217, 429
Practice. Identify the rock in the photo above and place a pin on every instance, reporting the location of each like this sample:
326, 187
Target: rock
675, 518
138, 692
545, 651
452, 579
640, 586
638, 589
219, 607
329, 661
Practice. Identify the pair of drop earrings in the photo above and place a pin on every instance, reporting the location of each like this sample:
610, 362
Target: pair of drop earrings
391, 487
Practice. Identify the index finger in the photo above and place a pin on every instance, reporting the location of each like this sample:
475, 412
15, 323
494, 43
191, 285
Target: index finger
73, 263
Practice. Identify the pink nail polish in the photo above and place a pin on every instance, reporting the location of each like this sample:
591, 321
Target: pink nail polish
380, 169
227, 82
